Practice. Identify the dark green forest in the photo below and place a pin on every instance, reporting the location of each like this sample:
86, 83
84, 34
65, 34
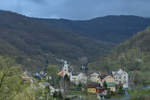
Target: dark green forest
35, 42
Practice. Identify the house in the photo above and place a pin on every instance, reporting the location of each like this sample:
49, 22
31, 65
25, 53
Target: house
92, 87
101, 77
52, 90
42, 73
94, 77
76, 77
37, 75
82, 78
112, 86
44, 84
110, 81
27, 77
95, 88
121, 77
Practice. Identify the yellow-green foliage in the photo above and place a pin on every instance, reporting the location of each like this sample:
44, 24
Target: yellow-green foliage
52, 70
140, 94
27, 94
10, 79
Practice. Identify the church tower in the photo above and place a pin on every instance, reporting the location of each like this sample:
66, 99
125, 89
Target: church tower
65, 68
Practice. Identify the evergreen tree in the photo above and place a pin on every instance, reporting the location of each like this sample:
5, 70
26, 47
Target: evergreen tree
105, 85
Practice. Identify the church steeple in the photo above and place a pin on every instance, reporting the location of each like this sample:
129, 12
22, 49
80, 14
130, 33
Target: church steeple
65, 68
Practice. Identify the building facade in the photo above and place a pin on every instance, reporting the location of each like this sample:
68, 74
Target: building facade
121, 77
110, 81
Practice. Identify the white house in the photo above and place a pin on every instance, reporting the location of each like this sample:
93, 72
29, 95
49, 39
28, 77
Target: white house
121, 77
82, 78
78, 78
74, 77
27, 77
94, 77
44, 84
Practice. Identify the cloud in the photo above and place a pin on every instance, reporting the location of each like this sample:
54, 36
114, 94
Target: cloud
77, 9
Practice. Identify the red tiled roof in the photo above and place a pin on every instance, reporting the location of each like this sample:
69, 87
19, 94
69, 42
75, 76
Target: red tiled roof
61, 73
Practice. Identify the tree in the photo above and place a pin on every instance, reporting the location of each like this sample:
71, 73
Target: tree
52, 71
10, 79
105, 85
79, 86
27, 94
120, 89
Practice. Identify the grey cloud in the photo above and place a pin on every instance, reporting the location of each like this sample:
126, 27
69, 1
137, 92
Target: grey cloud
77, 9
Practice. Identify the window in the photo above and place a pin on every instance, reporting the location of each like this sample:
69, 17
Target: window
124, 77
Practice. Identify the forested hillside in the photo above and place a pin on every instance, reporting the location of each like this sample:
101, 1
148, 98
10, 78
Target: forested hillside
133, 56
113, 29
34, 43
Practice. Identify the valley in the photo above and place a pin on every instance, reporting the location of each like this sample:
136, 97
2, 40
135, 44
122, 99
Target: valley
107, 56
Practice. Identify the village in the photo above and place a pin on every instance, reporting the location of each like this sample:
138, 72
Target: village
70, 83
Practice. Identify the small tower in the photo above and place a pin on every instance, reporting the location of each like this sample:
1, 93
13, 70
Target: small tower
84, 68
65, 68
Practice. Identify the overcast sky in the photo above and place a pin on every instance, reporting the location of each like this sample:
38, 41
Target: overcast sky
77, 9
